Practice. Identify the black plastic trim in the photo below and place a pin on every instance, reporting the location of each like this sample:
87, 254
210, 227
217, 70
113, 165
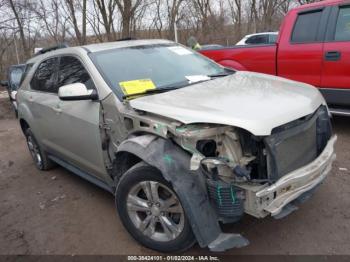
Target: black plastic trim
336, 96
82, 174
323, 24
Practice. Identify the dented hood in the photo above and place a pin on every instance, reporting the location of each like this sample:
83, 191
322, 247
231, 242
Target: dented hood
252, 101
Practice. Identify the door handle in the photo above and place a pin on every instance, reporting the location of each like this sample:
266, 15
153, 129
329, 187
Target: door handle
332, 56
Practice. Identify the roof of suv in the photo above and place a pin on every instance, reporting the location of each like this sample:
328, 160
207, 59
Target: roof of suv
120, 44
99, 47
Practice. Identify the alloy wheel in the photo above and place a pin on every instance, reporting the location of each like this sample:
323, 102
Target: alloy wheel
155, 210
34, 151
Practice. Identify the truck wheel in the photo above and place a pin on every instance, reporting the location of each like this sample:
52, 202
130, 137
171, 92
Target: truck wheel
151, 211
41, 160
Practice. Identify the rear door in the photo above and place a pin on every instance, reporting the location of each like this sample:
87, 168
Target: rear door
300, 51
75, 133
336, 58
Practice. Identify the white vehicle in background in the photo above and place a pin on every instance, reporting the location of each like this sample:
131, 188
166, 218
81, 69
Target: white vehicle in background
264, 38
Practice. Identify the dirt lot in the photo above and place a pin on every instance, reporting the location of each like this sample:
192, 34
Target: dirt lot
56, 212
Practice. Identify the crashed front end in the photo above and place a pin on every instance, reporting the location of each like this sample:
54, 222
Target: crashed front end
221, 172
261, 176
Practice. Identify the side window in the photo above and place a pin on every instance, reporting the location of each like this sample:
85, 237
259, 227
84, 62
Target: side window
72, 71
342, 31
44, 78
273, 39
306, 27
257, 40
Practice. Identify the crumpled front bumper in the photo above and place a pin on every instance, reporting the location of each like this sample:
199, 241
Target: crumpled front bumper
274, 198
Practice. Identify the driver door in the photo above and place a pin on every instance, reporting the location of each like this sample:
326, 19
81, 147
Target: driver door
76, 134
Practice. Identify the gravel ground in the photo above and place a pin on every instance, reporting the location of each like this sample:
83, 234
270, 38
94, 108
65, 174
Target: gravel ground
56, 212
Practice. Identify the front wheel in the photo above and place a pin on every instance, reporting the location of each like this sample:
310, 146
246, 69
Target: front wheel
151, 211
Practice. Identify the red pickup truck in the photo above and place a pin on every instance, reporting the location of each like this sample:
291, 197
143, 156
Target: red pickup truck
313, 46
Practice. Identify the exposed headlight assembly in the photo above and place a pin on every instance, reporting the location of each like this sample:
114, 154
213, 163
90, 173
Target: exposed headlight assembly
221, 169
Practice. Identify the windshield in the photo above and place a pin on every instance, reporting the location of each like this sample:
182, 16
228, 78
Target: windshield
15, 77
141, 68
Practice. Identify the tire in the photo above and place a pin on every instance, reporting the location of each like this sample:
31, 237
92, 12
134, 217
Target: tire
40, 158
168, 228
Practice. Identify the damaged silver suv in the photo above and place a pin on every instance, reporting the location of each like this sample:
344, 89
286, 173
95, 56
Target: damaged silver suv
183, 143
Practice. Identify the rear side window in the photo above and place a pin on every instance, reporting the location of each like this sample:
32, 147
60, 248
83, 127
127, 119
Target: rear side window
72, 71
44, 78
342, 31
306, 27
258, 40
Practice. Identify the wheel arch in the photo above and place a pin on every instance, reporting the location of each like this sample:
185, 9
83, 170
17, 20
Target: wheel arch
124, 160
24, 125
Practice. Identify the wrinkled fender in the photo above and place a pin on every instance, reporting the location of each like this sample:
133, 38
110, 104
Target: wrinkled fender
232, 64
174, 163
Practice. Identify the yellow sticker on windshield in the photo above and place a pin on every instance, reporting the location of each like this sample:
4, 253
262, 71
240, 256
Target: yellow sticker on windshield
137, 86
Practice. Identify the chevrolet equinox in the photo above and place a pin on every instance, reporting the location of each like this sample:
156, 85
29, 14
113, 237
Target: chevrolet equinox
183, 144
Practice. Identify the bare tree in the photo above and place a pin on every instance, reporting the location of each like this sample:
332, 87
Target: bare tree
16, 9
236, 11
75, 7
158, 19
41, 22
203, 9
107, 9
173, 9
53, 19
94, 19
127, 9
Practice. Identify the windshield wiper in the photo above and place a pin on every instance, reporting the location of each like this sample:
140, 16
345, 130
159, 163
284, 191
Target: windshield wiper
152, 91
222, 74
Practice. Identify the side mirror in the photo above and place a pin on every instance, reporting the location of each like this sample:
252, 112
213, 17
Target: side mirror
75, 92
4, 83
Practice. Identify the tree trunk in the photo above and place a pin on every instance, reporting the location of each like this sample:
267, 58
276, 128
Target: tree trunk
126, 18
125, 26
20, 29
84, 22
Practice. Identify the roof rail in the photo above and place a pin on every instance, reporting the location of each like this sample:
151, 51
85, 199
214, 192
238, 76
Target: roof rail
52, 48
126, 39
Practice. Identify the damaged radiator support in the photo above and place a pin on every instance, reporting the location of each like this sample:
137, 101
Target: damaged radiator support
295, 145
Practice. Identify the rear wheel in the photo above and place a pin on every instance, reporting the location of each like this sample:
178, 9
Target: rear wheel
40, 158
151, 211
